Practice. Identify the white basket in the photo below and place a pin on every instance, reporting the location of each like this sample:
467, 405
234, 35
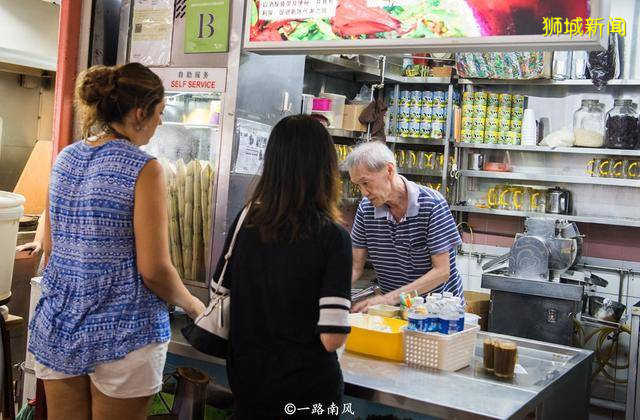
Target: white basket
448, 352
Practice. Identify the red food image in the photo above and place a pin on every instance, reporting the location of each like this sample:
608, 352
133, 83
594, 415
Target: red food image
354, 18
502, 17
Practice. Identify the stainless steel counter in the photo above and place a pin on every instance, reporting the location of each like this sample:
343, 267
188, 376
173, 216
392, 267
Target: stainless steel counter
555, 385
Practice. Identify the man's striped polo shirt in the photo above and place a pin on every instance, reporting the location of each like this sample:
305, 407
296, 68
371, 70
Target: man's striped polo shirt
401, 251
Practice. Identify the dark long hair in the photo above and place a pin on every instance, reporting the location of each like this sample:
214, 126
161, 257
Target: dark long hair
299, 188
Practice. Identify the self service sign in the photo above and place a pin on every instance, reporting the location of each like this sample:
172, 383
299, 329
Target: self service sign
207, 26
175, 79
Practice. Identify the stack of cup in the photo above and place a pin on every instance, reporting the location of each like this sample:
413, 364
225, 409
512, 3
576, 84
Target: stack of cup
529, 131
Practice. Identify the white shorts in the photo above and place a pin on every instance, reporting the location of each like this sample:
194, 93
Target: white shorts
139, 374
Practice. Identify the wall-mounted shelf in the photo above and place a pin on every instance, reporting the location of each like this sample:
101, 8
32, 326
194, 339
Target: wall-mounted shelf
416, 140
548, 82
616, 221
419, 172
337, 66
338, 132
542, 149
557, 178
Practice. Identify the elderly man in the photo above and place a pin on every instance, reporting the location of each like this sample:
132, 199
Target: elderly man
406, 229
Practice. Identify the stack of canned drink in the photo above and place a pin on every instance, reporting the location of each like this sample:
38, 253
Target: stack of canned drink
489, 117
420, 114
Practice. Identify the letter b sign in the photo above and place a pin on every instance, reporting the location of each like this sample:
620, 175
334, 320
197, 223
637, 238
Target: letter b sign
206, 25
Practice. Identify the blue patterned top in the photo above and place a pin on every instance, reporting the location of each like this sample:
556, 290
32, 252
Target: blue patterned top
94, 306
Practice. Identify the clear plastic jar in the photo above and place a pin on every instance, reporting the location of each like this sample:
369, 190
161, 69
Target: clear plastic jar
622, 125
588, 124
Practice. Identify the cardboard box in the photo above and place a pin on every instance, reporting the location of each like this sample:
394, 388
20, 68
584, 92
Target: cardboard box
478, 303
350, 119
444, 71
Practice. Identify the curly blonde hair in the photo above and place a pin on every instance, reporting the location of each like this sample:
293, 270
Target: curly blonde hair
105, 95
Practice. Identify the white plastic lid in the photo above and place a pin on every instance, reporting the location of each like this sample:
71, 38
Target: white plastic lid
436, 295
11, 206
447, 294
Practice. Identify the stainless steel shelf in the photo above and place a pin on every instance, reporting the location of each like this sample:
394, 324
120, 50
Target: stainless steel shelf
419, 172
335, 65
416, 140
542, 149
338, 132
552, 178
615, 221
546, 82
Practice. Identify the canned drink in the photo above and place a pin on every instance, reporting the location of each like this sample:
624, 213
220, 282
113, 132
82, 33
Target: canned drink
467, 96
405, 98
515, 137
504, 124
426, 118
467, 123
404, 111
425, 129
478, 123
456, 97
504, 100
403, 128
517, 113
493, 99
479, 111
478, 136
466, 136
491, 137
516, 125
467, 110
504, 113
518, 101
437, 129
416, 98
480, 97
415, 111
426, 110
491, 124
492, 112
439, 98
503, 137
439, 112
414, 128
427, 97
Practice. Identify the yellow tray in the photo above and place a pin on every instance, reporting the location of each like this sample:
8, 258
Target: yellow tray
365, 339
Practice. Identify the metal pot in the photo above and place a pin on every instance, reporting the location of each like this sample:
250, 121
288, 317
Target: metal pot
604, 309
559, 201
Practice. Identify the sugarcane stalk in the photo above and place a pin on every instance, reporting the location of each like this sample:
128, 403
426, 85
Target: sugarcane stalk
196, 242
174, 231
187, 228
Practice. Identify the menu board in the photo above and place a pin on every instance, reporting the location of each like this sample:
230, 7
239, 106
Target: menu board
339, 25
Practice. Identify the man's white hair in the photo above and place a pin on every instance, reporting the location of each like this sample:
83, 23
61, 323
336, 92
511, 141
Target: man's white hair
374, 155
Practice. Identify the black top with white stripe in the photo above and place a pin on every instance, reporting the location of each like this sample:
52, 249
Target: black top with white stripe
283, 297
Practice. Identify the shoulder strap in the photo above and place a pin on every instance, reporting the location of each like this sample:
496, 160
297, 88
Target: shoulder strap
227, 256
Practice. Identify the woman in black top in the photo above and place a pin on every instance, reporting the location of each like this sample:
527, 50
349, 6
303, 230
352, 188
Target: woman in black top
290, 281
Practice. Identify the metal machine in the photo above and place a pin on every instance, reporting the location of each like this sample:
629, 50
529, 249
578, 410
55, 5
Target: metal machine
536, 290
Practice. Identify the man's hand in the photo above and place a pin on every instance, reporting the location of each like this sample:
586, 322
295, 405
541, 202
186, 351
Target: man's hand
363, 305
34, 247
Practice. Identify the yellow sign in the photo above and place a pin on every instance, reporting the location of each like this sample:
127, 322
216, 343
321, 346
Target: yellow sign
578, 26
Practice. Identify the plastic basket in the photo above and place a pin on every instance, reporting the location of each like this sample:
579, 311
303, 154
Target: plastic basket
440, 351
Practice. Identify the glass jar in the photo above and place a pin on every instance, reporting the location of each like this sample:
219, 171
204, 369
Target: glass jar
622, 125
588, 124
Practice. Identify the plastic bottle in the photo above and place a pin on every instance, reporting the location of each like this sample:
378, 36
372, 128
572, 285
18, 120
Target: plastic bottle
433, 314
457, 303
448, 317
